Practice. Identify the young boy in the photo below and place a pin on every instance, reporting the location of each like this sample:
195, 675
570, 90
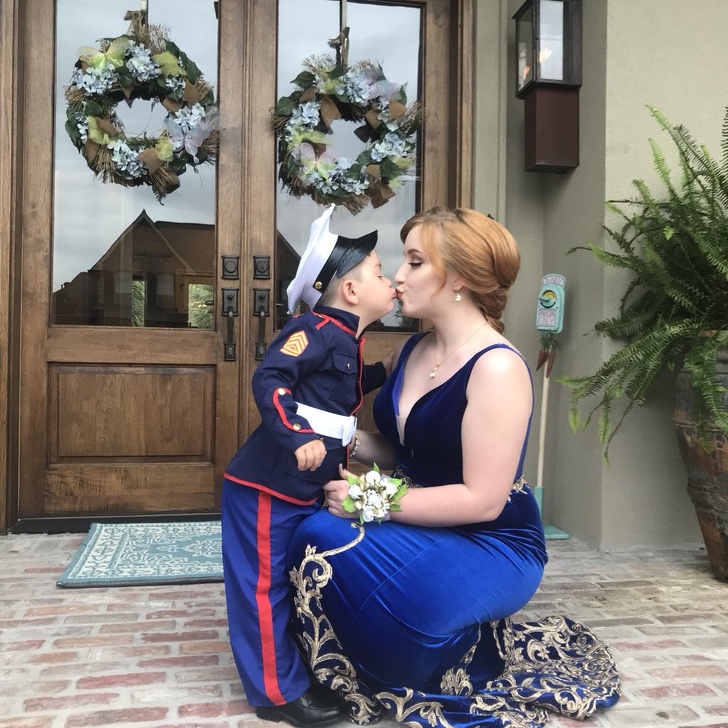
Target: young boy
306, 389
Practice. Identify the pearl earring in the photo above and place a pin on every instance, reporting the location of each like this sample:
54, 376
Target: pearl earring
458, 297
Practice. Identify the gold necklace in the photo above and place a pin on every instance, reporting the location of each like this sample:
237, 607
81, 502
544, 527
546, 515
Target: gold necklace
438, 365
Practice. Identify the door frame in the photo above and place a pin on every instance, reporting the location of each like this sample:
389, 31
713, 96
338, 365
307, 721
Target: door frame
252, 228
9, 184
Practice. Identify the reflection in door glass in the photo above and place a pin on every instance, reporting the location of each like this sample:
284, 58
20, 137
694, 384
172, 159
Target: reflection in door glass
387, 34
120, 258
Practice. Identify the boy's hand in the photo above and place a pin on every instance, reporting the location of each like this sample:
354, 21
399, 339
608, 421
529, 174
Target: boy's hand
310, 455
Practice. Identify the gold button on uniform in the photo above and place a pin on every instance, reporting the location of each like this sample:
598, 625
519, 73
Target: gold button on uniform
281, 391
296, 426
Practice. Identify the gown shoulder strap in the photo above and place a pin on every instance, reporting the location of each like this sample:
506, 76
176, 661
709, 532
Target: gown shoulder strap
522, 459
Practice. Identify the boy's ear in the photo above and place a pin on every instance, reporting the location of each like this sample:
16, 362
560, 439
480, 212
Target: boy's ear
349, 292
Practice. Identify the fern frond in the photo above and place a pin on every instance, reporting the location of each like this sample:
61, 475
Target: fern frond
674, 242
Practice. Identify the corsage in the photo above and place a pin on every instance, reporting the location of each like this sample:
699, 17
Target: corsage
373, 495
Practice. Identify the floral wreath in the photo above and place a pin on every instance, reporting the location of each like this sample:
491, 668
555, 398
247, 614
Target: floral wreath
327, 91
143, 64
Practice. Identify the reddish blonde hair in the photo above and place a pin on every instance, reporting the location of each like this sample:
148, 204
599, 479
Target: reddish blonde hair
476, 249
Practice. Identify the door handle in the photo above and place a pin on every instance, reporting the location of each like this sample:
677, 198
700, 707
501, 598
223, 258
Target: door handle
261, 309
230, 309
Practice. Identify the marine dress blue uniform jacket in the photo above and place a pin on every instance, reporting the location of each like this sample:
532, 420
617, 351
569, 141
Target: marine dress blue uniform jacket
316, 360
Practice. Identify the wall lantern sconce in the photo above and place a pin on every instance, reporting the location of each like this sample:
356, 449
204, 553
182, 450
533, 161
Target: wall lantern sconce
548, 77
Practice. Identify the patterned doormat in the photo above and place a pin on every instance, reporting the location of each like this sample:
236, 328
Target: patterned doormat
134, 554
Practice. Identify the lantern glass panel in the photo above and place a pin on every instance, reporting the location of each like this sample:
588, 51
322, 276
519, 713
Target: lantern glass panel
551, 35
524, 42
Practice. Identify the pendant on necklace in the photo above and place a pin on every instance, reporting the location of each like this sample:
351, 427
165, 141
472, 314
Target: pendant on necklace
434, 371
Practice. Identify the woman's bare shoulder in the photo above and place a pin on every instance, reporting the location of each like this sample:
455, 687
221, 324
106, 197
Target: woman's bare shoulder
500, 366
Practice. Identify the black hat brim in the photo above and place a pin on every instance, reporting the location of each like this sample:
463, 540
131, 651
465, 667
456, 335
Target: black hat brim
347, 253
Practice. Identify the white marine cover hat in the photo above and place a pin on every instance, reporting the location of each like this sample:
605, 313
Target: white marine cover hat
326, 255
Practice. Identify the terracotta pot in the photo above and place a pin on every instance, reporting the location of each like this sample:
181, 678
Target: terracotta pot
707, 470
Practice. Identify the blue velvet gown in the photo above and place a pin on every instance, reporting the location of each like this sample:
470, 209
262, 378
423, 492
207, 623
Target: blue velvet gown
416, 620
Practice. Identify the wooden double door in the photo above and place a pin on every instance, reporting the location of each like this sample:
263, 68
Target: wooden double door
129, 376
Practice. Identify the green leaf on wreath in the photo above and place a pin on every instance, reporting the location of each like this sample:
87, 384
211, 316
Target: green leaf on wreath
388, 169
73, 132
178, 165
285, 106
305, 80
125, 77
93, 108
193, 72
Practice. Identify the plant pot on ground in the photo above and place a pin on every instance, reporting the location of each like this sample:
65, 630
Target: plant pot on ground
673, 316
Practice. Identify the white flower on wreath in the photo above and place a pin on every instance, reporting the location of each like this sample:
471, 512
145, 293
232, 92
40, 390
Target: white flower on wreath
82, 126
140, 63
125, 159
306, 115
176, 84
95, 80
189, 127
357, 87
326, 173
391, 146
385, 91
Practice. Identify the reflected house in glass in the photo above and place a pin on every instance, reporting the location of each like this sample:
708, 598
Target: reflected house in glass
146, 278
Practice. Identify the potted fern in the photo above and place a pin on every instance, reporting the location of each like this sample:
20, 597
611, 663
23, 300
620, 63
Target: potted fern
673, 316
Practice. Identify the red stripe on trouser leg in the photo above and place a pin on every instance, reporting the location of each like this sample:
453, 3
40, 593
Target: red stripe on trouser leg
265, 611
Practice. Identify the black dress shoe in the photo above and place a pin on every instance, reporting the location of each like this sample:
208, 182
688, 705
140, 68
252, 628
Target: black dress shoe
311, 710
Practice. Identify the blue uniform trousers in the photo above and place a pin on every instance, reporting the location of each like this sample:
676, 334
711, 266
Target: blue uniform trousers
256, 532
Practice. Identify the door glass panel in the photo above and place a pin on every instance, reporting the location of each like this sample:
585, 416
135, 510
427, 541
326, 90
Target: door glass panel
387, 34
120, 257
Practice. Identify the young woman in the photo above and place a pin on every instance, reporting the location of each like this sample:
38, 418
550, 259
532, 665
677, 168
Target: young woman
412, 615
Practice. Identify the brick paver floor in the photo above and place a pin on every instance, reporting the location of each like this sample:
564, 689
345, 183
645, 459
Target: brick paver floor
157, 657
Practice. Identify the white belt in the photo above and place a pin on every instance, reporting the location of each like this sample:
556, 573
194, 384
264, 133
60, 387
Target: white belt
329, 424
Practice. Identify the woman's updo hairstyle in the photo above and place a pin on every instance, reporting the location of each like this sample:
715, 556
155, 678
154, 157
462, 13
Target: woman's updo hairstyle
473, 247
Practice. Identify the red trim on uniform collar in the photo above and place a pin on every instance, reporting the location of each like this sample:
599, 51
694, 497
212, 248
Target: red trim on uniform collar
330, 319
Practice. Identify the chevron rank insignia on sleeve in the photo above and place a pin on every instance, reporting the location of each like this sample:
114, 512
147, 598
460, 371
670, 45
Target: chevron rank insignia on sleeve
296, 344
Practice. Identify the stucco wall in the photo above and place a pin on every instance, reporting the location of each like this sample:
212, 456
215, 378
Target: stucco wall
666, 53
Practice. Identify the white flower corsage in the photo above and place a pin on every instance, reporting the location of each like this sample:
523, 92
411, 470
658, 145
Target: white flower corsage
373, 495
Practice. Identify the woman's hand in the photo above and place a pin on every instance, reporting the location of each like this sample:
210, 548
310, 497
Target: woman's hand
336, 491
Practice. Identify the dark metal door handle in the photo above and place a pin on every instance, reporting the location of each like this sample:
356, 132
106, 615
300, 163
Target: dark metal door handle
230, 309
261, 308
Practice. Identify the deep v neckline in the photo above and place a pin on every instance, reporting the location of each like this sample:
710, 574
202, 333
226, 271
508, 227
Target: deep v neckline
399, 382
